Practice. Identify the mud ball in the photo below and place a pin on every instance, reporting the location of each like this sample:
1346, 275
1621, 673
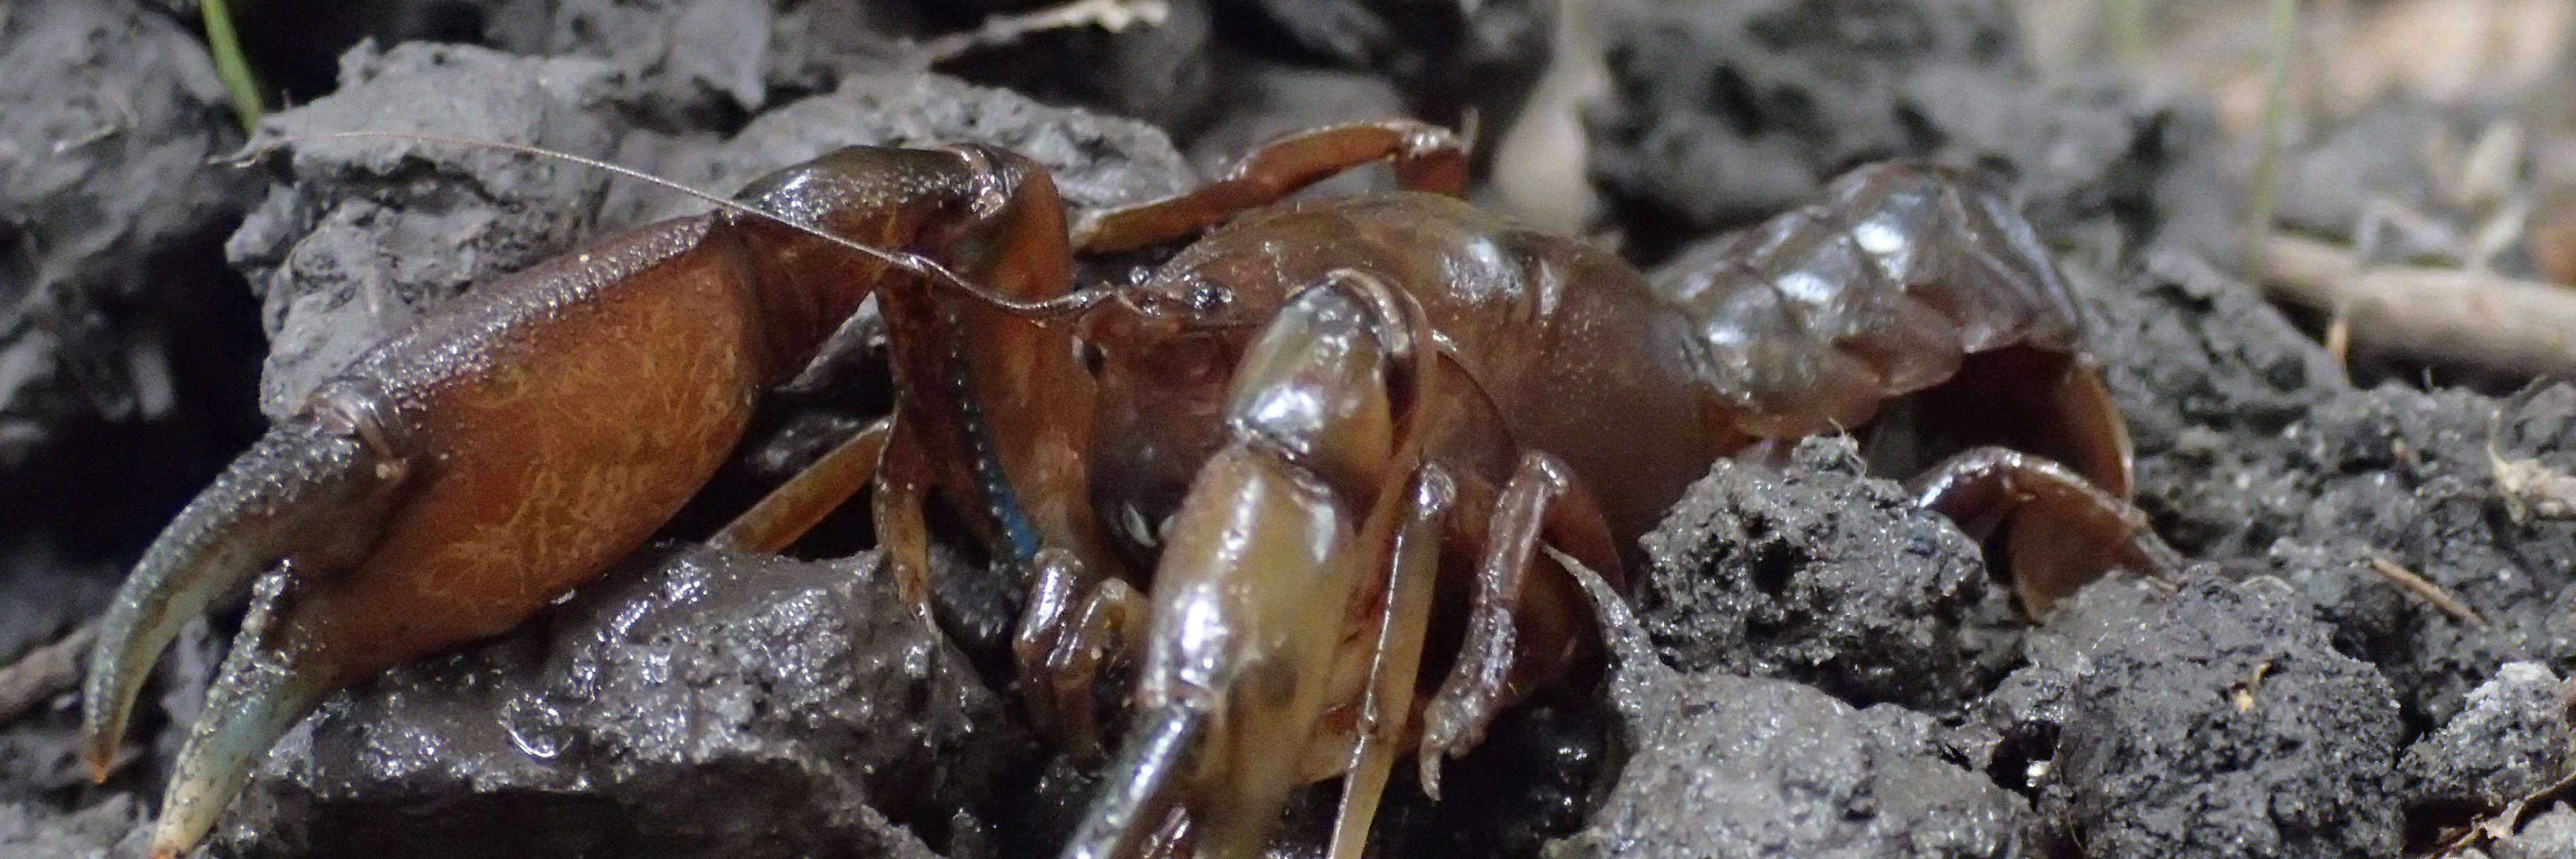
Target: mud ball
2224, 725
1737, 767
1815, 574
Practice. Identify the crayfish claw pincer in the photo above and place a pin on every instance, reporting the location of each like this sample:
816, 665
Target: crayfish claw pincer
313, 494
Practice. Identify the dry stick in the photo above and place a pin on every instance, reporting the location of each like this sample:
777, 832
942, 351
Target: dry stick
2468, 317
43, 673
2406, 579
1112, 15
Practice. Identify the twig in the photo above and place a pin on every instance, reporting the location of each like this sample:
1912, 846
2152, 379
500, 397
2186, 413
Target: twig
2408, 581
2469, 317
1112, 15
43, 673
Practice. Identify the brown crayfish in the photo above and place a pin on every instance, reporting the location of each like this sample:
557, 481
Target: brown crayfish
1248, 475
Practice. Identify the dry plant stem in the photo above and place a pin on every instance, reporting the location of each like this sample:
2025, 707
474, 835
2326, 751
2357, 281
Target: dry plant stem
2408, 581
2505, 821
44, 673
1112, 15
2452, 315
2267, 155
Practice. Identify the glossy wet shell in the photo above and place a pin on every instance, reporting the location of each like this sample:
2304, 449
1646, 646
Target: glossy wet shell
1570, 350
1815, 318
549, 440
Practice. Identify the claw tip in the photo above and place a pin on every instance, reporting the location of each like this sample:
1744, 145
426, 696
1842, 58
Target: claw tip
100, 760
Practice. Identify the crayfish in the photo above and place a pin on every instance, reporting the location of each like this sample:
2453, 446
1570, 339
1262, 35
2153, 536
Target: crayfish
1263, 477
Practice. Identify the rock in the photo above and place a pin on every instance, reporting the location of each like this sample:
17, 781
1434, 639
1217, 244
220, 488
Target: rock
2510, 740
1723, 766
704, 704
1815, 574
2225, 725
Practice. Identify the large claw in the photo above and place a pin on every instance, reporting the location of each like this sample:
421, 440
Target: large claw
312, 494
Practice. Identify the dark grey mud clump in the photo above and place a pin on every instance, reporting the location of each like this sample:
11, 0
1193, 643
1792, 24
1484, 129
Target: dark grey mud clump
1815, 574
2510, 741
699, 704
2223, 725
1725, 766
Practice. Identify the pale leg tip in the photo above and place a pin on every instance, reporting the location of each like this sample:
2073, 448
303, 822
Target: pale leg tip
164, 848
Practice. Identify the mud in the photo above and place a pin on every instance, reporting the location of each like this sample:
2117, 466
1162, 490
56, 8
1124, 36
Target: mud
1817, 575
1724, 113
1723, 766
695, 704
2549, 836
121, 333
2223, 724
1818, 668
2509, 741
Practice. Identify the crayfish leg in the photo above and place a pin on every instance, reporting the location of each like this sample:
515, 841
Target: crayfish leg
796, 506
1426, 158
1506, 638
2043, 401
2061, 532
1395, 660
903, 532
1077, 622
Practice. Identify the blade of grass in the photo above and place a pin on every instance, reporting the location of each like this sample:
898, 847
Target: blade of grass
225, 45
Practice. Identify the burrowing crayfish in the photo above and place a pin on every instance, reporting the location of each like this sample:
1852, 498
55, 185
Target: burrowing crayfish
1287, 437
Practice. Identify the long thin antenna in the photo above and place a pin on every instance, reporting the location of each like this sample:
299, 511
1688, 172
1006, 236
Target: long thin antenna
1062, 305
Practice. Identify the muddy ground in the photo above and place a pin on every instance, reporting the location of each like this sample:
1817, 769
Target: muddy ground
1810, 665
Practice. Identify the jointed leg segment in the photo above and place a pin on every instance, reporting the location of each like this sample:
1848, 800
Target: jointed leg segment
2061, 531
1425, 157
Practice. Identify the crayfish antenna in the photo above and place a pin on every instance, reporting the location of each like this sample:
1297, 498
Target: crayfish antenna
1054, 307
311, 489
1143, 786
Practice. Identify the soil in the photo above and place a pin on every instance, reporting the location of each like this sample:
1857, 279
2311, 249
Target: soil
1810, 666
